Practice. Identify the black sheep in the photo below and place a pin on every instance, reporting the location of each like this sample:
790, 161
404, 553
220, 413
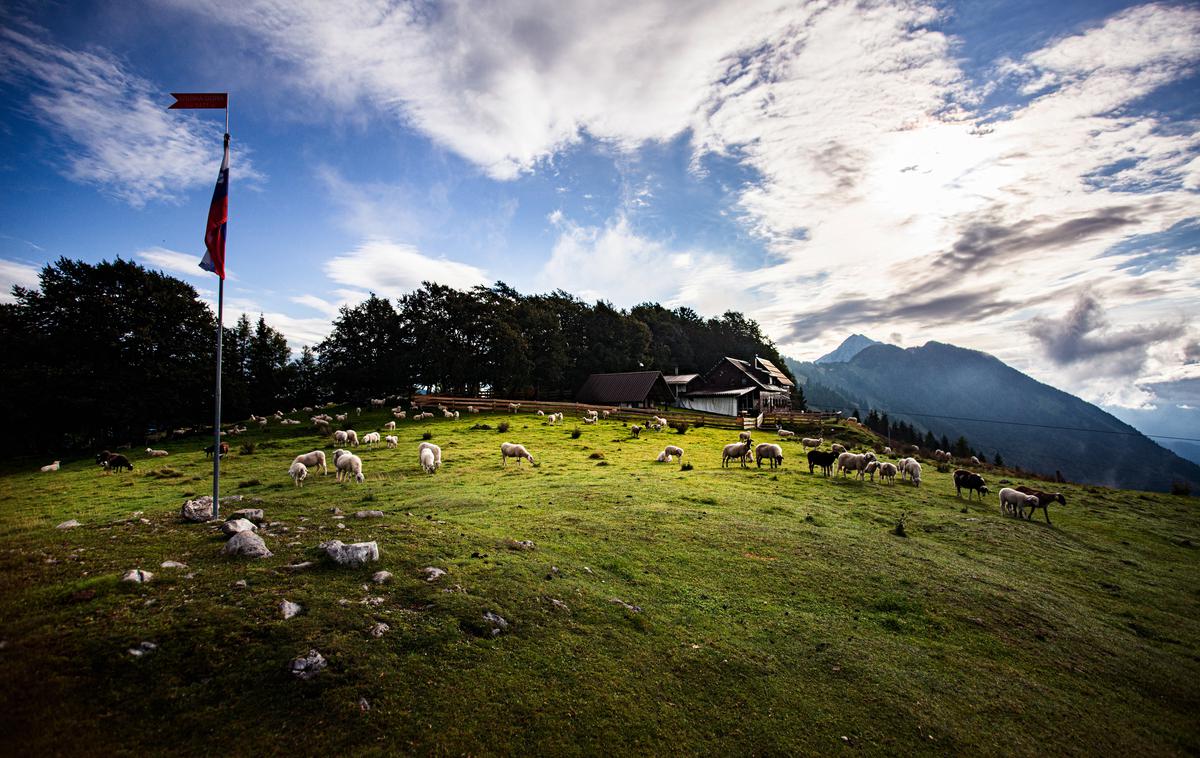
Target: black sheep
823, 459
1044, 499
969, 481
112, 461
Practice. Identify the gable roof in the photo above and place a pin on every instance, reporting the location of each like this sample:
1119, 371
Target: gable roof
625, 387
759, 377
780, 378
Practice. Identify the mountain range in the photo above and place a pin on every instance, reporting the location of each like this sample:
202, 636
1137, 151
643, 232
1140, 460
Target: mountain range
954, 391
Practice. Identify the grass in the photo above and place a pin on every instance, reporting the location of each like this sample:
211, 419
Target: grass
759, 611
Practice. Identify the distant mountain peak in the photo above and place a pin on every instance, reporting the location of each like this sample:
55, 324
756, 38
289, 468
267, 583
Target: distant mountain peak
850, 347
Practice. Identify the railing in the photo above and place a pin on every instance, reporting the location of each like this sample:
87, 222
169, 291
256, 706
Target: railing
580, 409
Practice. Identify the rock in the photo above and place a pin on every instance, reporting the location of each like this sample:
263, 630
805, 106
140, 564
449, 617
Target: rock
381, 576
198, 510
68, 524
172, 565
341, 525
236, 526
559, 605
142, 649
379, 630
308, 666
373, 601
247, 545
250, 514
626, 606
241, 584
355, 554
369, 514
432, 574
363, 704
298, 566
499, 624
137, 576
336, 511
289, 609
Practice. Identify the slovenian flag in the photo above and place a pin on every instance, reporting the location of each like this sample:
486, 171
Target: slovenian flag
218, 217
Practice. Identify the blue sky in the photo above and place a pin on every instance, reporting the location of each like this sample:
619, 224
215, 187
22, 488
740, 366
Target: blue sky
1017, 177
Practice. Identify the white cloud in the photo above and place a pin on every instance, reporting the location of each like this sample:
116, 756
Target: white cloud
393, 269
174, 262
14, 273
122, 137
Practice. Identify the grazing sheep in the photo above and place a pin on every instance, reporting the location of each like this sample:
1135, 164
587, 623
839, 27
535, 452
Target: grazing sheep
1013, 502
887, 472
514, 407
975, 461
1044, 499
785, 433
661, 421
428, 463
941, 456
911, 470
969, 481
604, 414
51, 467
339, 437
822, 459
390, 426
299, 472
312, 460
541, 412
370, 438
347, 465
552, 419
511, 450
447, 413
208, 451
400, 415
887, 451
744, 436
392, 441
772, 452
589, 419
673, 450
116, 461
663, 457
837, 448
856, 462
635, 430
378, 403
352, 437
156, 453
813, 442
871, 468
340, 417
736, 450
437, 452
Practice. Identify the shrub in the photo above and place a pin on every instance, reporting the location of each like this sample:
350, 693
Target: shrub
597, 456
899, 530
680, 427
1180, 487
576, 434
248, 448
502, 427
482, 426
427, 436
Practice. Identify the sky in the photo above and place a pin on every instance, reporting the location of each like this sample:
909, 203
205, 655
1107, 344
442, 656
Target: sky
1017, 177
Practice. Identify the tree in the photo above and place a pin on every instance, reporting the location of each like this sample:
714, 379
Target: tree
365, 354
996, 459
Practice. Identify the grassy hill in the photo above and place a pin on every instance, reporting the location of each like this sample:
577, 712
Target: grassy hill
709, 611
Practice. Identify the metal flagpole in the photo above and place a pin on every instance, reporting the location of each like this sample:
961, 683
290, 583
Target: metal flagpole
217, 391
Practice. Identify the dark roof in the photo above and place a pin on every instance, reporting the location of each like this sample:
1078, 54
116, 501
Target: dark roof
778, 376
680, 378
627, 387
760, 378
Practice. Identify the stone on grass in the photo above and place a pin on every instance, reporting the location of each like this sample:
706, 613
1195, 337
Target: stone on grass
499, 624
289, 609
369, 514
142, 649
355, 554
298, 566
234, 526
559, 605
172, 565
68, 524
308, 666
198, 510
432, 574
250, 514
381, 576
247, 545
137, 576
241, 584
626, 606
379, 630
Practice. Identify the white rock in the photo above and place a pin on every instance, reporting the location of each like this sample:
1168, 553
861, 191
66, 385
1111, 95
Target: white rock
308, 666
234, 526
381, 576
379, 630
198, 510
143, 649
355, 554
241, 584
369, 514
433, 574
137, 576
247, 544
250, 514
289, 609
172, 565
68, 524
499, 624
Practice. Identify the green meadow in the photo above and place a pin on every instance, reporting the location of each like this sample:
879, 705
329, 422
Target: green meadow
659, 611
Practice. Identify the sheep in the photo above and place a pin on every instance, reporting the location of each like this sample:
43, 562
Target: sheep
390, 426
289, 422
660, 421
593, 412
887, 451
673, 450
540, 412
51, 467
378, 403
1044, 499
370, 438
312, 460
340, 417
663, 457
911, 470
347, 465
871, 468
352, 437
156, 453
447, 414
299, 472
822, 459
635, 430
511, 450
514, 407
744, 436
427, 461
813, 442
835, 447
604, 414
773, 453
785, 433
941, 456
552, 419
263, 422
401, 415
887, 472
116, 461
224, 450
736, 450
339, 437
969, 481
392, 441
852, 462
437, 452
589, 419
1013, 502
975, 461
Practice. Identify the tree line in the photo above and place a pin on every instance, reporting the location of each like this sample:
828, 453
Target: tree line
106, 352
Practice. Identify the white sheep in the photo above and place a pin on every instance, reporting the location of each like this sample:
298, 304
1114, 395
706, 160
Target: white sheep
589, 419
299, 472
552, 419
390, 426
770, 451
156, 453
911, 470
511, 450
744, 436
835, 447
604, 414
340, 417
400, 415
1014, 503
975, 461
456, 415
513, 407
312, 460
378, 403
635, 430
437, 452
51, 466
426, 458
813, 442
871, 468
673, 450
446, 413
348, 465
370, 438
887, 451
391, 441
887, 471
736, 450
352, 437
785, 433
339, 437
663, 457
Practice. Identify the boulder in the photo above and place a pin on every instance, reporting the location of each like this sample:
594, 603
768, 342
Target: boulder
247, 545
432, 574
68, 524
379, 630
289, 609
230, 528
250, 514
198, 510
355, 554
308, 666
172, 565
381, 576
369, 514
137, 576
498, 622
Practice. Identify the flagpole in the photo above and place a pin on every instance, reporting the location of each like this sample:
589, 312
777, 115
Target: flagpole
217, 390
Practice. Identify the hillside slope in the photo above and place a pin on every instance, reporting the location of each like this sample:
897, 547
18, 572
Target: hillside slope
926, 384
